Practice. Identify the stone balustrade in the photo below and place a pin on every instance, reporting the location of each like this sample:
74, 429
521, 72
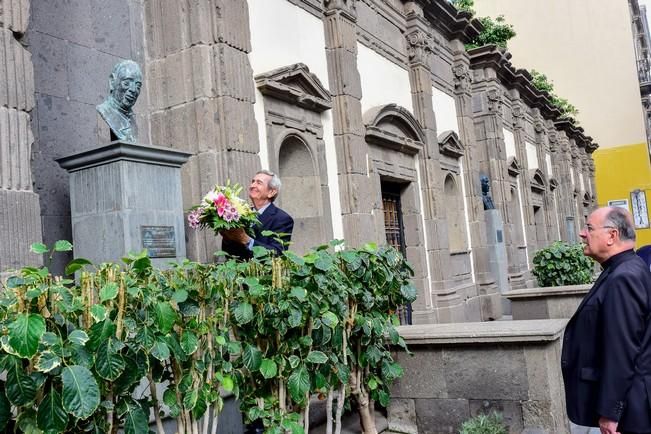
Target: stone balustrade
460, 370
546, 302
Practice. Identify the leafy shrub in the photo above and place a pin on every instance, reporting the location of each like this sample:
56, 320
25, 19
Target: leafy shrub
484, 424
542, 83
274, 331
562, 264
496, 31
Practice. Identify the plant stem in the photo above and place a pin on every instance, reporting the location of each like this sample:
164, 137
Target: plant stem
154, 397
329, 411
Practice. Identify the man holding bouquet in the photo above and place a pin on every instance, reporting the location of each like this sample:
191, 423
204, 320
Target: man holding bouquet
263, 190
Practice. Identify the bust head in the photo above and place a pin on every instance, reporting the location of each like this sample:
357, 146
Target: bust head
485, 184
124, 85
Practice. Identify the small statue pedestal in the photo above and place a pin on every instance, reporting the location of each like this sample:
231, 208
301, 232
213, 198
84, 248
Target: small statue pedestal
126, 198
497, 258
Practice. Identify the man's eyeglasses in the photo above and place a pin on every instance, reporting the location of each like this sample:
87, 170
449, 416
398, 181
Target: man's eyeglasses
591, 228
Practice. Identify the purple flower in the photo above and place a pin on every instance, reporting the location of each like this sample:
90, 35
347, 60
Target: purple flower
193, 218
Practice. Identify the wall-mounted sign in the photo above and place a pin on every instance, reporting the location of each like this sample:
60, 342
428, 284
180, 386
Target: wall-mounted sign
620, 203
640, 212
159, 241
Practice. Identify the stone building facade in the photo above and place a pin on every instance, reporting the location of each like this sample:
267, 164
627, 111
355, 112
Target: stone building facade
375, 116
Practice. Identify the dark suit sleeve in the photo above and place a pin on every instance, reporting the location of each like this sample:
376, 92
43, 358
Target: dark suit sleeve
282, 224
622, 328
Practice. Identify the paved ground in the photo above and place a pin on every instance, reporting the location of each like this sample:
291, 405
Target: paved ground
576, 429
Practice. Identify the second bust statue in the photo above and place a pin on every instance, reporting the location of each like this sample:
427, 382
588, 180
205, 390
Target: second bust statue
117, 109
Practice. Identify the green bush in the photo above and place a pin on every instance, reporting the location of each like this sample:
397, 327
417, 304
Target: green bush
562, 264
484, 424
273, 330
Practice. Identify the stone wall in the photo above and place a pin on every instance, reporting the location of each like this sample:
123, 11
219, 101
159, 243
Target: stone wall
458, 371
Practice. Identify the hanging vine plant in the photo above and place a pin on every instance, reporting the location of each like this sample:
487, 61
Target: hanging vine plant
495, 31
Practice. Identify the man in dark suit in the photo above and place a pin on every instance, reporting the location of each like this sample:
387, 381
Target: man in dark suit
263, 190
606, 358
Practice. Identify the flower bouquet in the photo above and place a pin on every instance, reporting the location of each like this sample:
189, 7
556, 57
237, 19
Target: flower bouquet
222, 209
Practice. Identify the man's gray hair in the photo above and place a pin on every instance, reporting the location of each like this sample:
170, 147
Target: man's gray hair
274, 182
621, 220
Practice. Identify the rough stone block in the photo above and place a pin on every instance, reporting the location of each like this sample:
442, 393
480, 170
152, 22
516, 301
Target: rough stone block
14, 15
441, 416
402, 416
233, 75
65, 126
413, 226
359, 229
174, 23
111, 27
491, 307
88, 73
231, 24
347, 116
20, 226
352, 154
200, 21
51, 183
417, 257
486, 374
356, 194
69, 20
426, 377
50, 71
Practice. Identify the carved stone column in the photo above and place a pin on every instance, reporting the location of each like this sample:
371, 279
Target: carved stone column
420, 47
355, 189
201, 89
567, 204
486, 283
542, 150
20, 214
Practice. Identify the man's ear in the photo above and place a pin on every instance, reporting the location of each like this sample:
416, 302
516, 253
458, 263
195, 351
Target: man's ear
273, 193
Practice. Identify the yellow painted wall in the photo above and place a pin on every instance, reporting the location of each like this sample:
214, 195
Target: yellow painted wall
619, 171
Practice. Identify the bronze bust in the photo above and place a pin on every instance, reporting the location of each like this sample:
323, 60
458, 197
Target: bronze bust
117, 110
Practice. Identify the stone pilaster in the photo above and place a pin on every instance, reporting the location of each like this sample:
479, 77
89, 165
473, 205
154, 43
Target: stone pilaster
567, 204
202, 93
542, 150
20, 216
486, 287
420, 47
351, 148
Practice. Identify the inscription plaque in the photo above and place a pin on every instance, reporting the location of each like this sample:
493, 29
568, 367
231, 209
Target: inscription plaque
160, 241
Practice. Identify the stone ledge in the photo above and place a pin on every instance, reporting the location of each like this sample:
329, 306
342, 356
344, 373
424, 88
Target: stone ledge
543, 330
548, 291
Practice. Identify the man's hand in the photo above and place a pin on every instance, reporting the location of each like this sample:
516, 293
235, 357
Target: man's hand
237, 235
607, 426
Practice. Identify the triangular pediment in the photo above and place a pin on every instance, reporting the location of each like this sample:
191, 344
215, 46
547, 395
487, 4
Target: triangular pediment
297, 85
537, 180
513, 166
450, 144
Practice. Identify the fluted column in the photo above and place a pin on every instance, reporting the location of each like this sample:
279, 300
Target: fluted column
20, 215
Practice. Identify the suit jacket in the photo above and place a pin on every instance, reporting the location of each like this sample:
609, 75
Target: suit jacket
606, 356
272, 219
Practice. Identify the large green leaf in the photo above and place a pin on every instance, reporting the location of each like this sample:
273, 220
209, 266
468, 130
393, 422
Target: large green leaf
25, 333
165, 317
330, 319
62, 246
136, 422
189, 342
298, 384
391, 370
100, 332
243, 313
80, 391
145, 337
20, 387
190, 399
39, 248
5, 409
78, 337
51, 417
317, 357
268, 368
160, 350
46, 361
324, 261
109, 364
76, 265
251, 357
108, 292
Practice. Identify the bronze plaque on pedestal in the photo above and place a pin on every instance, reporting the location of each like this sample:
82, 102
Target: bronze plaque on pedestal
159, 241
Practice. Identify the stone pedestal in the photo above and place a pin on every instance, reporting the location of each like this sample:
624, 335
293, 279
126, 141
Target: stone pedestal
497, 258
126, 198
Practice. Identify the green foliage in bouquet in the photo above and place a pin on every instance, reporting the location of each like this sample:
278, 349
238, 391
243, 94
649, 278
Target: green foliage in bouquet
562, 264
274, 331
484, 424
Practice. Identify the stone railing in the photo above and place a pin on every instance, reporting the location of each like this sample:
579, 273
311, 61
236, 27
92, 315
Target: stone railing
546, 302
460, 370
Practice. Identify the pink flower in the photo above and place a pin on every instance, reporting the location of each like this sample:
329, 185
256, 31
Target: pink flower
193, 218
221, 210
220, 200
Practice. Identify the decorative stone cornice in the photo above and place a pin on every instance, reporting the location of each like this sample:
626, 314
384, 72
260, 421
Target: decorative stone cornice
450, 144
537, 181
419, 46
517, 112
452, 23
394, 127
490, 56
513, 166
296, 85
348, 8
